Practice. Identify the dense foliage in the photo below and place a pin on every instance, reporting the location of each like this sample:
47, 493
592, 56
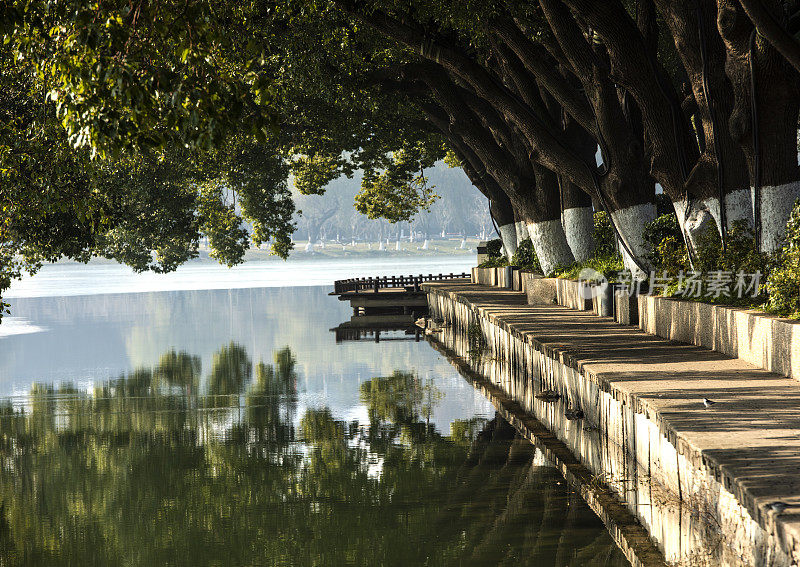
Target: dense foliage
521, 95
783, 283
494, 248
524, 257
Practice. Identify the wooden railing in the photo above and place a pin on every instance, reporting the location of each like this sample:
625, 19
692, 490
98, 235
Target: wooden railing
409, 283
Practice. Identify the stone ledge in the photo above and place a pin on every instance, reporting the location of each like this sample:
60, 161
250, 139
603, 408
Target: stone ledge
748, 444
763, 340
507, 277
766, 341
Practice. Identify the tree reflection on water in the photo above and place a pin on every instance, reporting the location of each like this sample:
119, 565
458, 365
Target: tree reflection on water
162, 466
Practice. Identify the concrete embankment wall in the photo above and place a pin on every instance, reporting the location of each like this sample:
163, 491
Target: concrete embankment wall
766, 341
677, 467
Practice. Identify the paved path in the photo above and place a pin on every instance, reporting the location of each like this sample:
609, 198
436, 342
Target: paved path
751, 437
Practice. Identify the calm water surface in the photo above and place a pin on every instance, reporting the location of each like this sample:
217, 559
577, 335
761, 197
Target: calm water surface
226, 427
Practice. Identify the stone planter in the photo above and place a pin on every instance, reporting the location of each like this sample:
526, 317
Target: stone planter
626, 308
603, 300
540, 290
763, 340
516, 276
484, 276
504, 277
573, 294
495, 277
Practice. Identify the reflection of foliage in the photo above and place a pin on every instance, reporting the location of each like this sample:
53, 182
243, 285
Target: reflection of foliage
277, 380
230, 371
399, 398
134, 472
177, 369
465, 431
476, 340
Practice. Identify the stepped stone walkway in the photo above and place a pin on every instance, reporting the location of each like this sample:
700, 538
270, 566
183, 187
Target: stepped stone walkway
750, 438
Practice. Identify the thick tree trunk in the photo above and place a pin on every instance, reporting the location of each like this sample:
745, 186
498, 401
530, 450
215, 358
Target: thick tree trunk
776, 206
693, 221
522, 229
721, 169
532, 188
634, 67
578, 219
631, 222
550, 243
768, 21
770, 143
625, 186
508, 234
544, 223
577, 213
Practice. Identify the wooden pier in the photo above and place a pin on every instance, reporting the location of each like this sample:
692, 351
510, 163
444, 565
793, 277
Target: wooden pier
385, 304
389, 295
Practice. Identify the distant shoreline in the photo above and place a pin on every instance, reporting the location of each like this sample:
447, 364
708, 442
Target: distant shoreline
436, 248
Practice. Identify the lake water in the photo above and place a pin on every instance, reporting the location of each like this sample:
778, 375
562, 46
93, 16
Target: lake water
79, 279
227, 427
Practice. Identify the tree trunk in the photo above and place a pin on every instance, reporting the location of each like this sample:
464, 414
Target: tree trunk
630, 222
578, 219
508, 234
770, 148
544, 223
576, 205
721, 168
522, 230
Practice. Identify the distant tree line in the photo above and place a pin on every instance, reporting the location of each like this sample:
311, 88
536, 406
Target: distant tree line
459, 210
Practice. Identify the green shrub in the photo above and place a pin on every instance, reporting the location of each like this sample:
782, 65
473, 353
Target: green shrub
670, 255
525, 257
605, 238
494, 248
741, 252
783, 283
609, 266
494, 262
668, 250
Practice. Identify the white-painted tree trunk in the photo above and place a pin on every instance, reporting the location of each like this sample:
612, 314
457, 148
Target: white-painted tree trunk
630, 222
696, 223
508, 234
579, 228
776, 206
522, 231
550, 244
738, 207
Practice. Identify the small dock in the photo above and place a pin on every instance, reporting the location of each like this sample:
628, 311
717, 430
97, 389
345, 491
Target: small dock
388, 304
390, 295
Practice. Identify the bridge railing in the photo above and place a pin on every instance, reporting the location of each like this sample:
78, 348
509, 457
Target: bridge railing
409, 283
